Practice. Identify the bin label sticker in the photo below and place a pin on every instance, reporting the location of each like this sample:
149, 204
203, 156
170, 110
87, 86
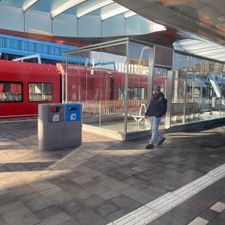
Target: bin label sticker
55, 118
73, 116
73, 113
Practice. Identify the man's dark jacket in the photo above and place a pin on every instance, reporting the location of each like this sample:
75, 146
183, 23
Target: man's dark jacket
156, 107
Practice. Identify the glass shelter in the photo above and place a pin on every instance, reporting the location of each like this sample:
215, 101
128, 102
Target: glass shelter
114, 81
198, 89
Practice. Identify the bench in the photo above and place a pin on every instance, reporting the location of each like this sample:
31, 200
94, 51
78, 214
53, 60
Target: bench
141, 115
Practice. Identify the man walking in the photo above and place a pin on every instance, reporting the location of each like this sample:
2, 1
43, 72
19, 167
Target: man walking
156, 109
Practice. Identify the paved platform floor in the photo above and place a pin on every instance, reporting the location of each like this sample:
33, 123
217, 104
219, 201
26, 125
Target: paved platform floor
104, 179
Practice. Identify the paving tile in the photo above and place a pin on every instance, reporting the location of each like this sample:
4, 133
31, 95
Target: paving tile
156, 190
48, 211
70, 187
217, 221
71, 207
198, 221
124, 202
109, 194
93, 201
81, 180
17, 214
223, 199
143, 197
42, 185
6, 198
116, 215
2, 221
89, 217
106, 209
28, 197
39, 203
58, 180
56, 219
170, 219
59, 197
218, 207
20, 191
72, 221
222, 215
185, 210
84, 194
117, 175
209, 215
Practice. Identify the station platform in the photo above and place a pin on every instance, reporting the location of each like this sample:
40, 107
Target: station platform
108, 182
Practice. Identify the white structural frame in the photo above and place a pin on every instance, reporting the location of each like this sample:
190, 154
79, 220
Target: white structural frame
65, 6
27, 4
92, 6
116, 9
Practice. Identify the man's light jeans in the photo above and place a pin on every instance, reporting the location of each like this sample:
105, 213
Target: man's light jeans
155, 122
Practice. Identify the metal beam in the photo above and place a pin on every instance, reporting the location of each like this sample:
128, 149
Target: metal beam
113, 10
92, 6
65, 6
27, 4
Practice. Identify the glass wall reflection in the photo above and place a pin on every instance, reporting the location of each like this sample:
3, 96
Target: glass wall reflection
113, 81
198, 90
139, 64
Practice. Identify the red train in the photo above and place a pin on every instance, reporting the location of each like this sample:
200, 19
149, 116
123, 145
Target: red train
25, 85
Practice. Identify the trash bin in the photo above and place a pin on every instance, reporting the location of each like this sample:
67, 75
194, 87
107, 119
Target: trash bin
59, 126
72, 125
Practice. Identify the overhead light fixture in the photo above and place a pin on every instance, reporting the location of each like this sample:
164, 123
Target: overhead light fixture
113, 12
28, 4
92, 7
129, 14
65, 6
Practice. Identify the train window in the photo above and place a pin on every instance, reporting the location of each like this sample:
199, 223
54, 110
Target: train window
40, 92
11, 91
139, 93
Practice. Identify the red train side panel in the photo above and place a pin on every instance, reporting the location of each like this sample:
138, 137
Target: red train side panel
20, 75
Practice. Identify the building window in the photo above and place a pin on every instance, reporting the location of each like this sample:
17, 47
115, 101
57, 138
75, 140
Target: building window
40, 92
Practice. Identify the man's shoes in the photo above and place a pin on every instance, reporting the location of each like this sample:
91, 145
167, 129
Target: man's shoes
161, 141
149, 146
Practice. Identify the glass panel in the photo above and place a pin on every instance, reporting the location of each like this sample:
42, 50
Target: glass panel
160, 78
140, 57
40, 92
198, 88
98, 83
10, 92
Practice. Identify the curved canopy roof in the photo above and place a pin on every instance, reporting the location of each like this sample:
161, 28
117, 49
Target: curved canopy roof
205, 18
96, 19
